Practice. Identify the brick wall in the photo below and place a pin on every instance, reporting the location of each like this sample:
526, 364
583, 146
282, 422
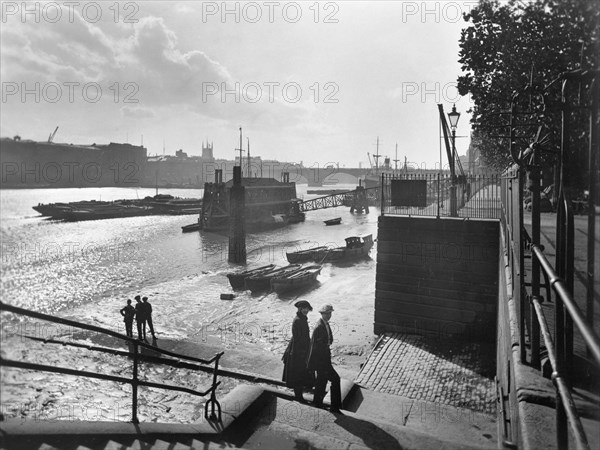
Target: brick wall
437, 276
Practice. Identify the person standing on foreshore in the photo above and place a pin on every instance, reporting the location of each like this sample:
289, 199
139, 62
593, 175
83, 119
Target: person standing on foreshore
319, 359
140, 317
295, 372
128, 313
148, 312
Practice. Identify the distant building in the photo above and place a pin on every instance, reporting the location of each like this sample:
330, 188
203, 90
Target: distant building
207, 152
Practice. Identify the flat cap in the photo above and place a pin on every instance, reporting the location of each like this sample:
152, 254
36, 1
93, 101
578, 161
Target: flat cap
137, 297
303, 304
326, 308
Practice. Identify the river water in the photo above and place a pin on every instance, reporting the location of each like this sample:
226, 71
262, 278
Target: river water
86, 271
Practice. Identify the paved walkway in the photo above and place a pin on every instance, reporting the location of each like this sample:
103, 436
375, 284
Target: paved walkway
433, 369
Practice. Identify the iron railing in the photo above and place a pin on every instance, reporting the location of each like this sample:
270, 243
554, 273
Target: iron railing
334, 200
134, 353
474, 196
568, 318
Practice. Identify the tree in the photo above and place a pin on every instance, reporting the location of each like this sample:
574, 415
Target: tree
513, 51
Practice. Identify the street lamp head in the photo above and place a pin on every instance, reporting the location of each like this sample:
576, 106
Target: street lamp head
453, 117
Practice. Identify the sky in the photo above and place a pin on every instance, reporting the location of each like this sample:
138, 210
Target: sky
310, 82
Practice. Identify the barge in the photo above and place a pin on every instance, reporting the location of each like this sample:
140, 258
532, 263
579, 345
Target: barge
160, 204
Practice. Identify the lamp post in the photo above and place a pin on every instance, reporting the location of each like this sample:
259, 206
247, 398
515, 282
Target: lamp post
453, 118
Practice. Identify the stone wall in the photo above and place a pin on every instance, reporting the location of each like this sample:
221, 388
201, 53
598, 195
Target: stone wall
437, 276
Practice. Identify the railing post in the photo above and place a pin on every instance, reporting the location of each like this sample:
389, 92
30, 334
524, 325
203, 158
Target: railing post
534, 175
517, 197
559, 323
592, 165
134, 385
213, 396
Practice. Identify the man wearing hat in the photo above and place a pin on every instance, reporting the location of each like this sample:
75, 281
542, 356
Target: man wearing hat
295, 372
128, 313
319, 359
148, 311
140, 317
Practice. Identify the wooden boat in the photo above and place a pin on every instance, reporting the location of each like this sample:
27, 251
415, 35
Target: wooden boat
311, 254
305, 277
356, 247
335, 221
262, 282
238, 279
191, 227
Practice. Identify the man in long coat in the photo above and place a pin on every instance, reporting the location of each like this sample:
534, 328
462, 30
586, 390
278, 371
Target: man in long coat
295, 372
148, 314
140, 318
128, 313
319, 359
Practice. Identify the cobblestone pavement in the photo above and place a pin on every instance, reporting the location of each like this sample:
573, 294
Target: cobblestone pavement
459, 374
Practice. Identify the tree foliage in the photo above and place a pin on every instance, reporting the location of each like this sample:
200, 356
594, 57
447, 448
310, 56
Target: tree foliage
515, 50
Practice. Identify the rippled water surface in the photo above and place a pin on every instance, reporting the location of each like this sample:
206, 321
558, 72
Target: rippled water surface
87, 270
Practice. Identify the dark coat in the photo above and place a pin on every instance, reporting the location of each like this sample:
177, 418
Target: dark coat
295, 373
140, 312
319, 356
128, 313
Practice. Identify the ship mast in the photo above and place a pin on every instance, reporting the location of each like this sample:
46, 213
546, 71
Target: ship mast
396, 160
376, 157
249, 174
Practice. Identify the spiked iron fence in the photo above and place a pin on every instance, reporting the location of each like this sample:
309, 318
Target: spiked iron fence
414, 194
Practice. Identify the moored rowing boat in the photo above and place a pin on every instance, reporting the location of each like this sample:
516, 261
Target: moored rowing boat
262, 282
238, 279
311, 254
305, 277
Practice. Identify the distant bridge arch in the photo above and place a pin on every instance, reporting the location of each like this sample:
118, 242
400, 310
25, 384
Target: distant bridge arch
341, 178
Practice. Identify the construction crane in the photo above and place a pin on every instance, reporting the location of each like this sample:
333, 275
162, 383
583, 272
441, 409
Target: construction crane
51, 136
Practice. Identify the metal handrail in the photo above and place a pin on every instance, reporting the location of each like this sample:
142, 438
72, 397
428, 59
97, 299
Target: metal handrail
85, 326
134, 381
558, 284
567, 414
559, 381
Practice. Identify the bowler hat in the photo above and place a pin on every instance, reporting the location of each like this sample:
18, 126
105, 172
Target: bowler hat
144, 298
303, 304
326, 308
137, 297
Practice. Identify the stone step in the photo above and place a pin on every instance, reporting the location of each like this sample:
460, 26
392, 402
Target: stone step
285, 424
446, 422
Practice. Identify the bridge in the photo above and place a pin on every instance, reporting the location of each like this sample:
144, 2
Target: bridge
357, 198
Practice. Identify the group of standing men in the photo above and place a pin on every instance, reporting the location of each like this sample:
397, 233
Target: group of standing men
304, 355
142, 313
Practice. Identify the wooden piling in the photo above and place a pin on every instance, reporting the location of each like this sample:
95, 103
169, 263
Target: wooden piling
237, 226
